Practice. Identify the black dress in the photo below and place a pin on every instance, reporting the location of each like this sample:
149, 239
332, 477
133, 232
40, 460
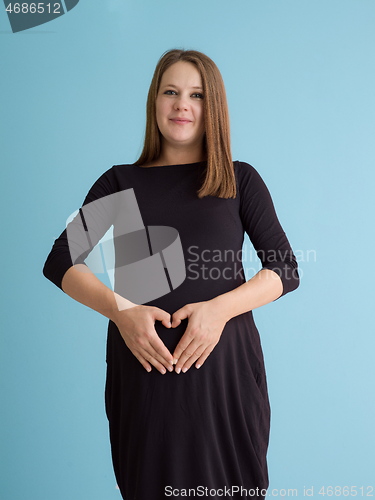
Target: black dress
206, 430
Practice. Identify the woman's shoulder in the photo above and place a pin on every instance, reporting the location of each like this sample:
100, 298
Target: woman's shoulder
245, 171
244, 167
112, 180
118, 171
249, 179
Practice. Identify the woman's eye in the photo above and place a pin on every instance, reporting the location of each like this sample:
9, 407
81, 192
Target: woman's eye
196, 95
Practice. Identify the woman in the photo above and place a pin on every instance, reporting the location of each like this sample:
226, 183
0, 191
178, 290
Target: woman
203, 427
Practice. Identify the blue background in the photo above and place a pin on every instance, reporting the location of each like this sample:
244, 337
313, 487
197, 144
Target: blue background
300, 79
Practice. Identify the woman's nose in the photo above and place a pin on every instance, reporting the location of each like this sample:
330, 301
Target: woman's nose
181, 103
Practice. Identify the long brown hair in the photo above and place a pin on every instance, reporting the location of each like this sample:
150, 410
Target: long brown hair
219, 178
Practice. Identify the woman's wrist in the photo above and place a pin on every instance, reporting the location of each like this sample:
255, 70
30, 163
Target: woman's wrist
120, 304
221, 306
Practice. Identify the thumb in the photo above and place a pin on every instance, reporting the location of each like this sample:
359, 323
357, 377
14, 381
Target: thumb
162, 316
178, 316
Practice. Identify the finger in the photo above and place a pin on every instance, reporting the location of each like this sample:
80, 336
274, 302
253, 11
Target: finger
187, 354
160, 351
204, 356
192, 359
150, 359
163, 316
143, 362
185, 340
179, 315
158, 358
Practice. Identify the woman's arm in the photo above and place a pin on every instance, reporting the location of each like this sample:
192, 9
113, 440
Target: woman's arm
278, 276
84, 287
136, 323
66, 269
263, 288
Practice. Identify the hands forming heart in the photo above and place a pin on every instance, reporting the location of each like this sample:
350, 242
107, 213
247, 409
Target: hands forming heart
205, 326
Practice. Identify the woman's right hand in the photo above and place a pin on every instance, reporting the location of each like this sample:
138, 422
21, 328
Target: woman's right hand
135, 322
137, 327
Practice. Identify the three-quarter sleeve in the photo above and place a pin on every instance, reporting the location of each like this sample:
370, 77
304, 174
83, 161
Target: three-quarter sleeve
262, 225
61, 256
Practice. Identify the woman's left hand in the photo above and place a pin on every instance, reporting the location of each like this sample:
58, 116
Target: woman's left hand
206, 323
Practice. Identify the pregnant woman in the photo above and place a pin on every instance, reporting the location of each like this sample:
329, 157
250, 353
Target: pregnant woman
186, 393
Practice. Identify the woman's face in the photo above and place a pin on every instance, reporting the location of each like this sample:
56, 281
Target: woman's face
179, 106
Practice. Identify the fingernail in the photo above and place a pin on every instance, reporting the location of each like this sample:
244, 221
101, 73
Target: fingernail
170, 368
163, 371
197, 366
184, 370
175, 361
178, 370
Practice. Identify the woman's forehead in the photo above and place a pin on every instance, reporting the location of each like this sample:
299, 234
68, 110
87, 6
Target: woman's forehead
182, 72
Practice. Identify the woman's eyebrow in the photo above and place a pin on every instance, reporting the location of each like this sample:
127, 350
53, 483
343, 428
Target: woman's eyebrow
175, 86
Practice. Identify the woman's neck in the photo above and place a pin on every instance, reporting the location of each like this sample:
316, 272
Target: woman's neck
179, 157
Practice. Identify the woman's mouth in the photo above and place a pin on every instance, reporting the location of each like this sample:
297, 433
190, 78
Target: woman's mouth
180, 121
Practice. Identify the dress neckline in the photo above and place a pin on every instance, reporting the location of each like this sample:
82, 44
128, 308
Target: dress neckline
179, 165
